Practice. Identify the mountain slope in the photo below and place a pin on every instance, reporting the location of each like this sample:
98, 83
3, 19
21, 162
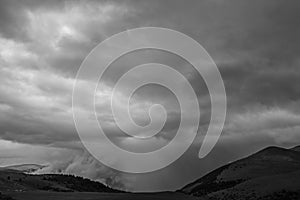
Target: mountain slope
296, 148
271, 171
17, 181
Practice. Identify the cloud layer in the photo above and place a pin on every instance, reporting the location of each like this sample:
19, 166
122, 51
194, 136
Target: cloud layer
42, 44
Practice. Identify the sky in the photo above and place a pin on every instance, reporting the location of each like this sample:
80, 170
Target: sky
255, 45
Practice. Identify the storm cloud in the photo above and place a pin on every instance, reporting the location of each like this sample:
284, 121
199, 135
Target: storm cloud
255, 45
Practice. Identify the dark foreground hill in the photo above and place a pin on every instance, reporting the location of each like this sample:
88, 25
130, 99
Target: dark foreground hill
296, 148
17, 181
272, 173
41, 195
17, 185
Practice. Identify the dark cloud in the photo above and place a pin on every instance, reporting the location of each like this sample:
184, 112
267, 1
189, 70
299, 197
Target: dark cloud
14, 19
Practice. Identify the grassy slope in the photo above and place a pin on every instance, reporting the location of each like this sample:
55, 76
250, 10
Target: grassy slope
270, 171
15, 181
21, 186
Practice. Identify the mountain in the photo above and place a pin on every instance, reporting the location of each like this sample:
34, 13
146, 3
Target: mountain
26, 168
12, 180
17, 185
272, 173
296, 148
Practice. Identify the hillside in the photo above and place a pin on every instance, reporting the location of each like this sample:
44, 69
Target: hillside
296, 148
17, 181
16, 185
272, 173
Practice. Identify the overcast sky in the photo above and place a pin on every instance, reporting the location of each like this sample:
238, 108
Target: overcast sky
255, 45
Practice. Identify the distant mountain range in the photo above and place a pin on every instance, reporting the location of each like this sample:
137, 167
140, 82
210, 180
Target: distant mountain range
272, 173
26, 168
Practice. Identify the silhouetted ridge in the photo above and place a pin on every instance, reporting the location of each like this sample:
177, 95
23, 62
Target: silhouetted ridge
14, 180
296, 148
276, 153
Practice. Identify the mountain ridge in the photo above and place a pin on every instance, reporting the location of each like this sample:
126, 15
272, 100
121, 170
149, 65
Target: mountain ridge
17, 181
26, 168
240, 179
270, 173
296, 148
